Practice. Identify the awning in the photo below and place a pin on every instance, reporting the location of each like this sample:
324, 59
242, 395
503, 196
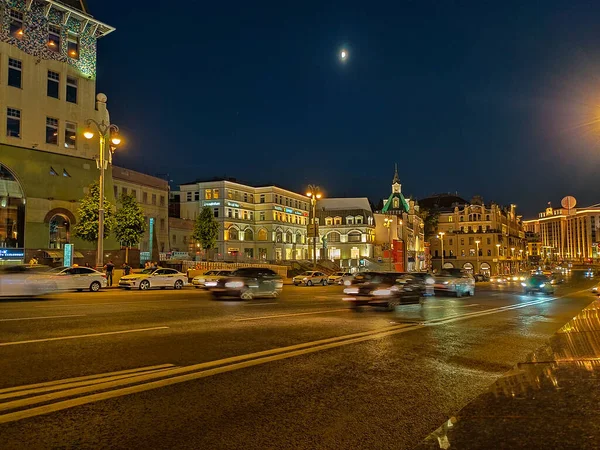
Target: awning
58, 254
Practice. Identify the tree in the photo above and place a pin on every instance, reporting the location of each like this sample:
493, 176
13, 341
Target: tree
86, 227
130, 223
430, 219
206, 229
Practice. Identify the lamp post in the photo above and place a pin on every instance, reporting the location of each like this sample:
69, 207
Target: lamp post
477, 242
103, 130
520, 259
314, 194
441, 238
498, 256
512, 259
387, 222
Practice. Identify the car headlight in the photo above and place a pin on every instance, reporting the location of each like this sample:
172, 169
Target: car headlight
234, 284
382, 292
542, 285
446, 282
522, 278
515, 278
210, 283
347, 283
523, 284
351, 291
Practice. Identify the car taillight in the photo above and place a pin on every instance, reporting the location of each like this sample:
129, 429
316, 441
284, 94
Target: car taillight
103, 275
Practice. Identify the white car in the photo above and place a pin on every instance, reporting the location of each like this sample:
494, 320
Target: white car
210, 278
339, 277
78, 278
310, 278
26, 281
154, 278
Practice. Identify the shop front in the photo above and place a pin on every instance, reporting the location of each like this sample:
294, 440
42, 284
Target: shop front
12, 218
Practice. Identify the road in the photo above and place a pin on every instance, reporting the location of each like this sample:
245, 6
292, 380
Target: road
174, 369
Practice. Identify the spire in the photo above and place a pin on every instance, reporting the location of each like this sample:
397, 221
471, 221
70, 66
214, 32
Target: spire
396, 177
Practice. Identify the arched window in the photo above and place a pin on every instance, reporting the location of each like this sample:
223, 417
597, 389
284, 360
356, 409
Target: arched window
334, 236
288, 237
350, 220
60, 231
396, 203
489, 253
278, 236
299, 239
337, 220
358, 220
12, 210
233, 234
248, 235
328, 221
354, 236
262, 235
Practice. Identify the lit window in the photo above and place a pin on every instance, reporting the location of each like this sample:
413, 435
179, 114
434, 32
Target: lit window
215, 193
70, 135
53, 84
52, 171
15, 72
16, 24
471, 252
54, 38
208, 194
13, 122
73, 46
66, 174
72, 89
51, 131
337, 220
328, 221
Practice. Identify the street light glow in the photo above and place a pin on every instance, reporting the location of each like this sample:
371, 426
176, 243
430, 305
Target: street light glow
343, 54
88, 134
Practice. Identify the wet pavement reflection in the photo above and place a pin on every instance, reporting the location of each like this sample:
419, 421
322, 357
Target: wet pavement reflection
548, 401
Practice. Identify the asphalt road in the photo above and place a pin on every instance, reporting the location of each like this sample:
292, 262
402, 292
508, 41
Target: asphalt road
174, 369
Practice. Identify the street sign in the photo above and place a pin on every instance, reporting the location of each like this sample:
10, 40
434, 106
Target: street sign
312, 230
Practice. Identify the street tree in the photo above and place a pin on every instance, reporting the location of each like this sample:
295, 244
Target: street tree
86, 227
206, 230
130, 223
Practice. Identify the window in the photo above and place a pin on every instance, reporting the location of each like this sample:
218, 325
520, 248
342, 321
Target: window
154, 199
229, 213
66, 174
462, 252
70, 135
462, 241
334, 236
471, 252
489, 253
450, 219
197, 196
54, 38
51, 131
59, 231
123, 191
16, 24
337, 220
248, 235
162, 224
359, 220
246, 197
489, 241
262, 198
144, 197
15, 72
134, 193
115, 188
451, 253
184, 238
13, 122
262, 235
328, 221
236, 213
349, 220
215, 193
207, 194
73, 46
53, 172
189, 197
72, 89
262, 215
245, 214
354, 236
471, 240
288, 237
216, 212
449, 241
278, 237
162, 200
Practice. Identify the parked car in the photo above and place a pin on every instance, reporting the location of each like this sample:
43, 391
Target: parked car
538, 283
154, 278
481, 277
210, 277
78, 278
310, 278
339, 277
455, 281
385, 289
247, 283
25, 281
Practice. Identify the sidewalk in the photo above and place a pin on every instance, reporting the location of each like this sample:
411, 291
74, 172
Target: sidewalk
549, 401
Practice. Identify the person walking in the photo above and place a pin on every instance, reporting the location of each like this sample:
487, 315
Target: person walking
109, 267
126, 268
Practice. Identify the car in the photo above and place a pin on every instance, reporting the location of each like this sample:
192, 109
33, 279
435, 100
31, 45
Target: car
210, 277
77, 278
26, 281
481, 277
538, 283
247, 283
455, 281
499, 279
310, 278
386, 289
158, 277
596, 288
339, 277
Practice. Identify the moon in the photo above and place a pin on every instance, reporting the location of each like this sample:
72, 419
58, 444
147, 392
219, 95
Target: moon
343, 55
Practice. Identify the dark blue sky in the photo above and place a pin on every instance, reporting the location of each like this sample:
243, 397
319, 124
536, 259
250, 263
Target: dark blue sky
481, 99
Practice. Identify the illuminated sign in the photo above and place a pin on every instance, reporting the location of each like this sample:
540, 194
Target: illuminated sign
233, 204
299, 213
12, 253
289, 210
68, 255
151, 236
211, 203
278, 208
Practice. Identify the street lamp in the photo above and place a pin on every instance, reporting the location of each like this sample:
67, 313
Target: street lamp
112, 131
387, 222
512, 259
441, 238
314, 194
477, 242
498, 257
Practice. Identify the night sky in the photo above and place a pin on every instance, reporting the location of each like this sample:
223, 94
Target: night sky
499, 100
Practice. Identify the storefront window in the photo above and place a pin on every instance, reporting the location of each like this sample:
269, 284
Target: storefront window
60, 229
12, 211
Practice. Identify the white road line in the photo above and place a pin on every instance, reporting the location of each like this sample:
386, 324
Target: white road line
260, 304
451, 306
61, 338
276, 316
86, 377
62, 305
44, 317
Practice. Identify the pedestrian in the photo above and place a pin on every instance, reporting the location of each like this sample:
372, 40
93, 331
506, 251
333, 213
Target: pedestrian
155, 265
147, 265
33, 261
126, 268
87, 264
109, 267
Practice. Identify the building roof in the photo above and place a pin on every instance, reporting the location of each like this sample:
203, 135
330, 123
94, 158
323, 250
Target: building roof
388, 207
441, 201
344, 204
131, 176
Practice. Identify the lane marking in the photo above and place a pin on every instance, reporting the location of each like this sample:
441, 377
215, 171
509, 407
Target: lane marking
44, 317
62, 305
79, 336
291, 315
260, 304
86, 377
451, 306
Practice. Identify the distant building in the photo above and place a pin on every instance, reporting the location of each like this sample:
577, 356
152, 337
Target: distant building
570, 235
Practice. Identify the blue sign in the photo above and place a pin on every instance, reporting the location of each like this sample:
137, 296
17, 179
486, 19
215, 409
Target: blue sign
151, 235
12, 253
68, 255
278, 208
211, 203
289, 210
298, 213
233, 204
